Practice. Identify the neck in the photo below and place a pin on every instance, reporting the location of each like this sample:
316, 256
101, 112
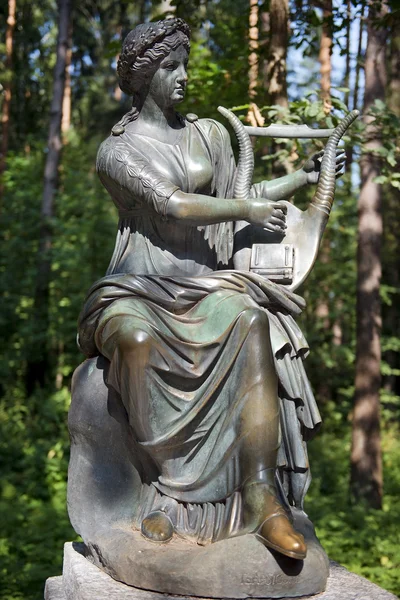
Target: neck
154, 116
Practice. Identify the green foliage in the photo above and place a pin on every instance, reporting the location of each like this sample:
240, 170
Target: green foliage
363, 540
33, 519
34, 441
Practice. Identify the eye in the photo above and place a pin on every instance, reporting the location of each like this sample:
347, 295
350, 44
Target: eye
169, 66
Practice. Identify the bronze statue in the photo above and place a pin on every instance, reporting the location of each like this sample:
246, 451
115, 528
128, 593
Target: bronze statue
203, 360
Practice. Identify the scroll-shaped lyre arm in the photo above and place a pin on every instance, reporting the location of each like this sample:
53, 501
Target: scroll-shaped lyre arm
304, 228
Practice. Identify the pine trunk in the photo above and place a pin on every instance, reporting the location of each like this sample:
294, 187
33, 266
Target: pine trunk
5, 118
253, 49
366, 459
325, 52
275, 30
391, 249
38, 360
67, 99
275, 64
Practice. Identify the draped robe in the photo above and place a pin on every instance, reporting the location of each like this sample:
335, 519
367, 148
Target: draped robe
175, 281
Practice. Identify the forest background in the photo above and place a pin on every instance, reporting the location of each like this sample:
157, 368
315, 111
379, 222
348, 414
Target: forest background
297, 61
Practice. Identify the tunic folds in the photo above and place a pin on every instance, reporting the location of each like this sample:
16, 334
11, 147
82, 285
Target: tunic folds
175, 283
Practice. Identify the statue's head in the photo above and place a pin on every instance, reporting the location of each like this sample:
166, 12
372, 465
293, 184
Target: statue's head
145, 47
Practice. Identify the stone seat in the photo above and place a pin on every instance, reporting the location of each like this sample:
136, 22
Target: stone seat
106, 475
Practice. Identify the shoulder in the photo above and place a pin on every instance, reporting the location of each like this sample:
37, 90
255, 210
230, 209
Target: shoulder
213, 129
105, 151
113, 152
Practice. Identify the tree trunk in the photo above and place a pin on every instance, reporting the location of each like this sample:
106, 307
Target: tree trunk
67, 99
254, 116
253, 49
5, 119
394, 83
391, 213
117, 89
359, 61
366, 459
359, 57
275, 64
346, 81
38, 357
325, 52
275, 30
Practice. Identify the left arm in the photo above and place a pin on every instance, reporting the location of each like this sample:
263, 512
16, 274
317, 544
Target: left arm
284, 187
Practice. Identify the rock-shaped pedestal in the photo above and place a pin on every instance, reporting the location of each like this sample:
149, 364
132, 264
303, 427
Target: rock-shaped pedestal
82, 580
238, 567
104, 488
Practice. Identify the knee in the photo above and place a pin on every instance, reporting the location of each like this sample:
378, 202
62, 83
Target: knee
135, 340
256, 319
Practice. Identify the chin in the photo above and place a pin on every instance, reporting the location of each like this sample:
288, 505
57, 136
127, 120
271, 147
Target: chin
178, 100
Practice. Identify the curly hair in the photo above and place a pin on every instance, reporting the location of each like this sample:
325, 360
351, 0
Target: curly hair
142, 51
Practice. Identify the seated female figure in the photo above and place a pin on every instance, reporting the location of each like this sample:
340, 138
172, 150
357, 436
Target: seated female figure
207, 360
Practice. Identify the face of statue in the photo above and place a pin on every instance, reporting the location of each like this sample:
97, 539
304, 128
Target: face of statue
168, 84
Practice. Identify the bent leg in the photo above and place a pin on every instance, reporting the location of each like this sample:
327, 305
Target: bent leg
259, 421
128, 344
129, 347
260, 431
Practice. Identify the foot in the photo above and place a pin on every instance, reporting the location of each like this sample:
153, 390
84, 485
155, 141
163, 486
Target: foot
265, 516
278, 533
157, 527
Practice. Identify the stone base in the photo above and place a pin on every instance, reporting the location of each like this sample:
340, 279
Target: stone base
82, 580
237, 567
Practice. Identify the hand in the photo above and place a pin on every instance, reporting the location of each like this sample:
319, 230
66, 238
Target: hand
312, 167
268, 214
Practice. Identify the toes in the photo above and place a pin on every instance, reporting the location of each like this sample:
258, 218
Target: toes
157, 527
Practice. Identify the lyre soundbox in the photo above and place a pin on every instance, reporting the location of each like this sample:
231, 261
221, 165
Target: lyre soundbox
285, 258
274, 261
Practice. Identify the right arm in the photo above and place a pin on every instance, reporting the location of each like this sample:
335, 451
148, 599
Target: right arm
198, 209
134, 182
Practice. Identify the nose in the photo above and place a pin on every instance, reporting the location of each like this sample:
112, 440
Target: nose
181, 75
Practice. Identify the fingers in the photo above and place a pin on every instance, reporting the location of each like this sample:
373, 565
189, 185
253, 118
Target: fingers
280, 222
274, 228
340, 159
340, 163
277, 212
280, 206
278, 216
340, 173
316, 162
